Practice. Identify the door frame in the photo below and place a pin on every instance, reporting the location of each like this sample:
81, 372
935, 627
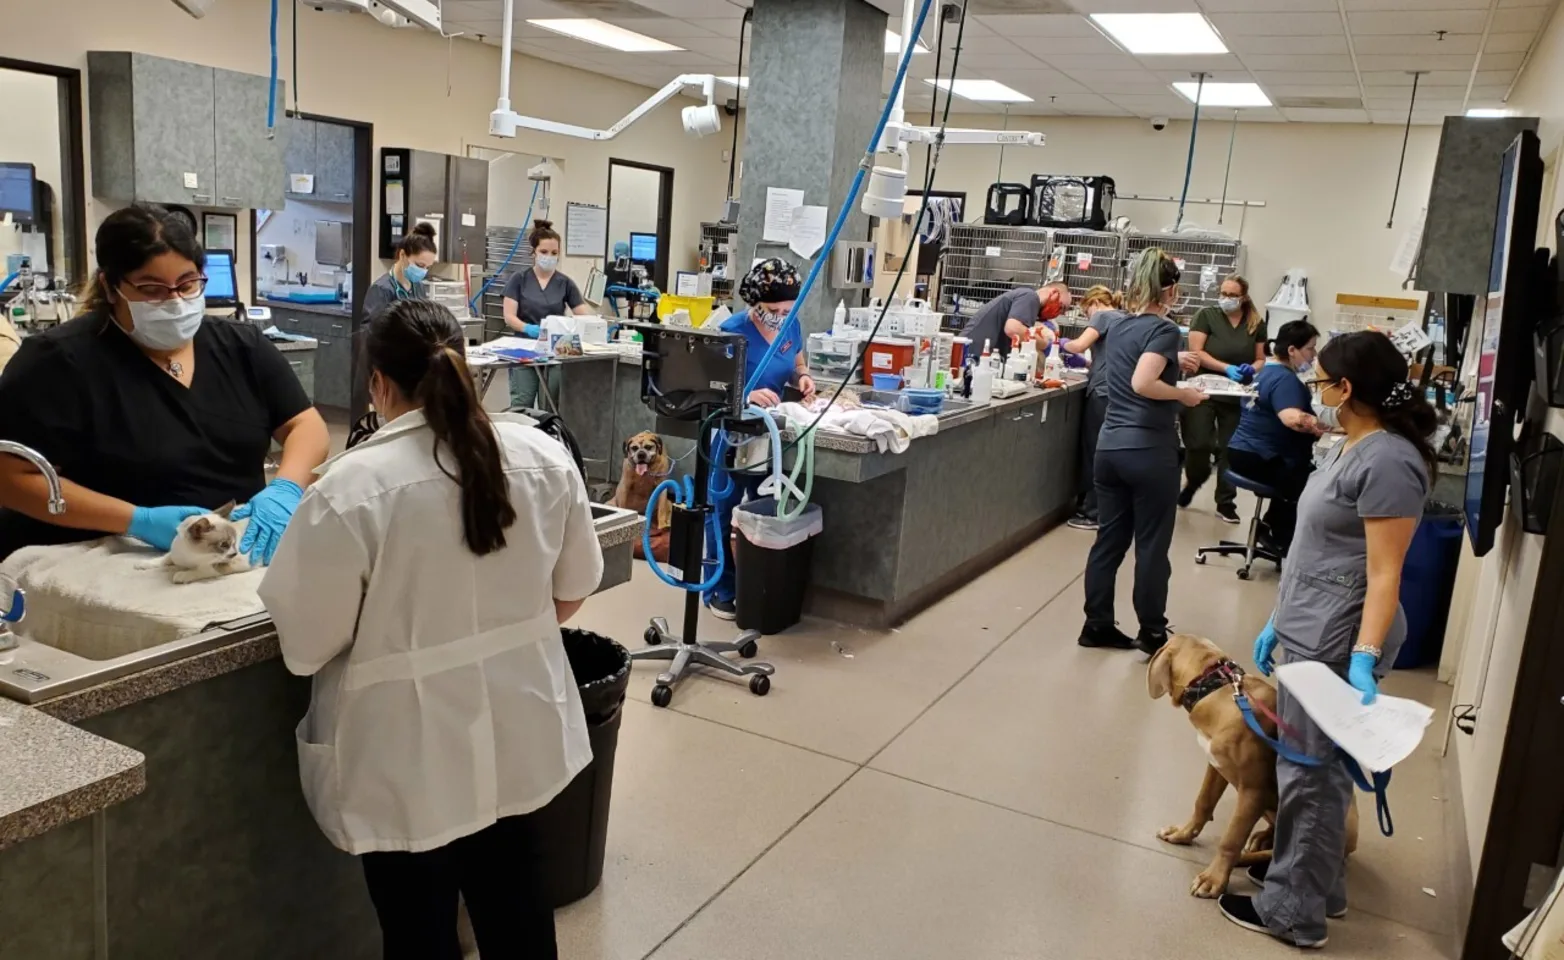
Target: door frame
664, 216
73, 173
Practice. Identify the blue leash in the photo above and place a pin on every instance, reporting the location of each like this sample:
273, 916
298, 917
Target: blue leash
1376, 785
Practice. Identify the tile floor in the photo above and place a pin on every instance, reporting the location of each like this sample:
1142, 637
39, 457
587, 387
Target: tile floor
972, 785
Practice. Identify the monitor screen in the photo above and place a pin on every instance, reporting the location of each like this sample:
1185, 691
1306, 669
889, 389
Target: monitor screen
18, 192
220, 284
643, 247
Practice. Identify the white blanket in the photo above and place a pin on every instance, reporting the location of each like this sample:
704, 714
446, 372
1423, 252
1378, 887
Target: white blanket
889, 429
94, 599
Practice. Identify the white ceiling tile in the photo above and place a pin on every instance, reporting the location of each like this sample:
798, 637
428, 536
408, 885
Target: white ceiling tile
662, 28
1436, 78
1187, 65
1501, 61
993, 61
723, 48
1427, 22
1039, 84
1051, 25
981, 46
1306, 62
1123, 82
1268, 6
1508, 4
1494, 92
1087, 103
694, 8
1377, 62
1526, 19
1250, 47
1313, 115
1395, 119
722, 27
1212, 76
1076, 64
1418, 44
1135, 6
682, 58
1268, 78
1414, 5
1284, 90
1508, 43
1322, 24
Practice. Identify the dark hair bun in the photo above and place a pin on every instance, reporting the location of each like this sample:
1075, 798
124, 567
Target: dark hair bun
424, 230
543, 224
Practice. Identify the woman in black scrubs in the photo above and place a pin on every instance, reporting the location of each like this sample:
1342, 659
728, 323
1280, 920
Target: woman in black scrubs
532, 295
150, 411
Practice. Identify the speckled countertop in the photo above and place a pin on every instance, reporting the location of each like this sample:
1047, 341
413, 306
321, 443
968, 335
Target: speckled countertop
56, 773
847, 443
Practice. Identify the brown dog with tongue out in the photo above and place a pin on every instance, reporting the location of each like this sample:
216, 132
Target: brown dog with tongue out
645, 466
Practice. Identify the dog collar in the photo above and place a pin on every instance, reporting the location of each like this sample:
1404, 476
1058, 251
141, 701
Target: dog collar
1223, 673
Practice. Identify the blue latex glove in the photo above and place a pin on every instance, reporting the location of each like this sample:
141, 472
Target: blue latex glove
1240, 373
1265, 648
158, 526
532, 331
269, 512
1360, 673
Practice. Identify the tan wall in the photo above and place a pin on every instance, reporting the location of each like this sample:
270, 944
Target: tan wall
417, 90
30, 133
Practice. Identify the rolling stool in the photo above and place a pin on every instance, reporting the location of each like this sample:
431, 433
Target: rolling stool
1252, 550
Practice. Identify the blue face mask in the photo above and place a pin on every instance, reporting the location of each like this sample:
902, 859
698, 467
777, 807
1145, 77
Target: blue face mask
414, 274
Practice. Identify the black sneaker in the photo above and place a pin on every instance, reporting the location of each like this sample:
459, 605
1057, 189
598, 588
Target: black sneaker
1081, 522
1240, 910
1256, 875
1186, 496
724, 609
1150, 641
1227, 513
1105, 636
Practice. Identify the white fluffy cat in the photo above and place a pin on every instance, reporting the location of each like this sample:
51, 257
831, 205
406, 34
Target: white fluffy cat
206, 547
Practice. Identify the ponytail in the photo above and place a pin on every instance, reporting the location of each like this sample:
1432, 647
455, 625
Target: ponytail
417, 344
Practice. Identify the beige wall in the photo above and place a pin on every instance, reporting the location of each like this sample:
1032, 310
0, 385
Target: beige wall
1327, 187
30, 133
352, 68
1487, 630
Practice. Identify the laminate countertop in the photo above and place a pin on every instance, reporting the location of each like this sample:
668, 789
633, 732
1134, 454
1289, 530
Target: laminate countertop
56, 773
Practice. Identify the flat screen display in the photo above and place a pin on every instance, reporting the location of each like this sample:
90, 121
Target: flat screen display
220, 285
643, 247
18, 192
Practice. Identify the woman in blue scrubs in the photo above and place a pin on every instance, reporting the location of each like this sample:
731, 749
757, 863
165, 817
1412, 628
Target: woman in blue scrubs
770, 289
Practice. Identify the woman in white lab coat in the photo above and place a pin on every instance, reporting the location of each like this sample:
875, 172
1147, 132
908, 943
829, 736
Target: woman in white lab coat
422, 583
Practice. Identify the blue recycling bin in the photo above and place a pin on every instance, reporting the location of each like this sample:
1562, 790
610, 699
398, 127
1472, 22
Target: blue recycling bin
1427, 580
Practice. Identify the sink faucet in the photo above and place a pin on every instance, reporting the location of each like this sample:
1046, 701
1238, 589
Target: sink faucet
56, 498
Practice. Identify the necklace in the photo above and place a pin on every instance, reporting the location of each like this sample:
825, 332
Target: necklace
175, 369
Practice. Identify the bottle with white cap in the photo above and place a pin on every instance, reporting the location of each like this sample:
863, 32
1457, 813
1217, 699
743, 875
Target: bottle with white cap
983, 377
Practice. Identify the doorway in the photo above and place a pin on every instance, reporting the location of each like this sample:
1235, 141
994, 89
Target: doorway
640, 215
42, 160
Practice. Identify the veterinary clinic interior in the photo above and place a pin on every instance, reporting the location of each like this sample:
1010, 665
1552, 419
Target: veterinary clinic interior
710, 479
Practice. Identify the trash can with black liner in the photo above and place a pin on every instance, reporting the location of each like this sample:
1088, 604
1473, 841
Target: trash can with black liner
772, 557
575, 823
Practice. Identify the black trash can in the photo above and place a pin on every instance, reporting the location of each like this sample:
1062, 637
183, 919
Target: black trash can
575, 823
772, 564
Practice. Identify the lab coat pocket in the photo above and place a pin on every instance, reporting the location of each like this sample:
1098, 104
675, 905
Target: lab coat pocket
1317, 615
318, 777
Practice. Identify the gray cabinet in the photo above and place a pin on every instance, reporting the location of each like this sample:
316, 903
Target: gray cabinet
325, 151
331, 364
173, 132
299, 155
303, 364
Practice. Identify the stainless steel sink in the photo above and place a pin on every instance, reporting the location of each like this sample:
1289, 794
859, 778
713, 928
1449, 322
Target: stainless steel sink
887, 398
35, 671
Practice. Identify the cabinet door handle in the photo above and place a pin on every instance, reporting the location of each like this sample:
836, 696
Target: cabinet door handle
337, 327
201, 197
340, 196
233, 200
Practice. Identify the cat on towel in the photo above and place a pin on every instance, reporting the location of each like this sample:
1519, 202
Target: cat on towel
206, 547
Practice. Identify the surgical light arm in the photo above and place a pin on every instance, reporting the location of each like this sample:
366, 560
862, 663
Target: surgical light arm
504, 121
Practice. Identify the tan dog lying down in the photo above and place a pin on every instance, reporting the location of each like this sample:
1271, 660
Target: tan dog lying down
646, 464
1188, 670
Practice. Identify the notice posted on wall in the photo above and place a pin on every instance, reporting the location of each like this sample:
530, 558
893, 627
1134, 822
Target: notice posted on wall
780, 203
586, 230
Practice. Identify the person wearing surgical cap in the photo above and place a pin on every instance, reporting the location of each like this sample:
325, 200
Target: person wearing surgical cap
770, 289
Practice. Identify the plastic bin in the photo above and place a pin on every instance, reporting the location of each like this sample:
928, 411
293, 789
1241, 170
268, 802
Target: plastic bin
576, 832
772, 564
1427, 581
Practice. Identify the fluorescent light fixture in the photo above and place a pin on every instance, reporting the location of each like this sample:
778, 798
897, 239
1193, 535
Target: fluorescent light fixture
988, 91
606, 35
1224, 94
1161, 33
893, 44
1489, 112
735, 81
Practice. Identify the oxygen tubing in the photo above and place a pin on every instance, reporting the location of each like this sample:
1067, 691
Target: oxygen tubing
520, 236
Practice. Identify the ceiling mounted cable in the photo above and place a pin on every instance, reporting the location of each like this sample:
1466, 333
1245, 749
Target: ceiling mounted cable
1221, 211
738, 95
1189, 165
1405, 136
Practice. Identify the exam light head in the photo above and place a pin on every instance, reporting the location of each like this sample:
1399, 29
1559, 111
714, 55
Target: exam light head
702, 121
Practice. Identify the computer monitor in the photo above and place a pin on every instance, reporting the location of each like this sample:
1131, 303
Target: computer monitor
19, 192
643, 247
221, 288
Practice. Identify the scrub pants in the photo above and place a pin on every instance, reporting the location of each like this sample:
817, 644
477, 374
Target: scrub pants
1096, 411
495, 871
744, 488
1206, 430
1286, 477
1137, 501
524, 387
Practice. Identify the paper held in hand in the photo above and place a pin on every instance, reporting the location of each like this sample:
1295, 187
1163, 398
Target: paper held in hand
1377, 736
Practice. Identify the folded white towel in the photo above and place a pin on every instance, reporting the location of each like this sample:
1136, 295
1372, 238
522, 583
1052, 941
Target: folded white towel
100, 600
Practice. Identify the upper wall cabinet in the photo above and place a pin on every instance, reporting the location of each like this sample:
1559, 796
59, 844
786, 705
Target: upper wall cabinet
325, 152
172, 132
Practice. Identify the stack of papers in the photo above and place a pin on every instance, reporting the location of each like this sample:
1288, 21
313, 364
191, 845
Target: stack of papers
1377, 736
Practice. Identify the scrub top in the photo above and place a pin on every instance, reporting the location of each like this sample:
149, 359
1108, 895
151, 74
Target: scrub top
784, 364
1261, 431
1096, 386
1021, 304
386, 291
1225, 342
1134, 422
107, 417
534, 301
1319, 603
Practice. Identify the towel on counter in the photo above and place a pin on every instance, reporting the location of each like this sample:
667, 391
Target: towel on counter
889, 429
96, 600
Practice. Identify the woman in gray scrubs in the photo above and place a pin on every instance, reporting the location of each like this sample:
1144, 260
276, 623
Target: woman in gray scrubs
415, 254
1339, 604
532, 295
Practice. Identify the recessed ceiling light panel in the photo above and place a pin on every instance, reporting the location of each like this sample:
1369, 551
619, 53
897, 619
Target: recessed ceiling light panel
1223, 94
1145, 34
987, 91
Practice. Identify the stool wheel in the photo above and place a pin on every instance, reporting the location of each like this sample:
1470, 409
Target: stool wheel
652, 637
1200, 558
749, 650
760, 684
663, 695
1243, 573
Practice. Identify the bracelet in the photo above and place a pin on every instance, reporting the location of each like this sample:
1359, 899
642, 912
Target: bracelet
1374, 652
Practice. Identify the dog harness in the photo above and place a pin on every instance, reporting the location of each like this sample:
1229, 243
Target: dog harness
1226, 673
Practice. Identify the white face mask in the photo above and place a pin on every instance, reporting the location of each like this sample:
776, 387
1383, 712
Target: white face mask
168, 325
1229, 304
1328, 417
548, 263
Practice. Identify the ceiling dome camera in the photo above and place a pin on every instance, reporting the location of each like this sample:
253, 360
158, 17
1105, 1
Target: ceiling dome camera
1159, 123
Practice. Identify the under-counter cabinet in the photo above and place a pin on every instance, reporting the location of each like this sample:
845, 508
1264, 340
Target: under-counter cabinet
166, 131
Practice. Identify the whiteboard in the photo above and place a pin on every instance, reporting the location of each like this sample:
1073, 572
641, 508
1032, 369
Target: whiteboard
586, 230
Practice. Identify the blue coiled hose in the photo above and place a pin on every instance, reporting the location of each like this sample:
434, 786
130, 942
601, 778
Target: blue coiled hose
685, 497
520, 236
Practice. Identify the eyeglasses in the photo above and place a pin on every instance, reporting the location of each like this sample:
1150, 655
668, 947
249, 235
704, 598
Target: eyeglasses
162, 292
1321, 384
